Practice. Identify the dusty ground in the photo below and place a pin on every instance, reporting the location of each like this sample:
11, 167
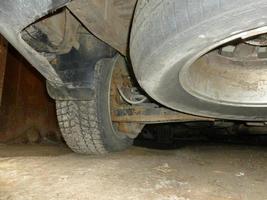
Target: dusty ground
194, 172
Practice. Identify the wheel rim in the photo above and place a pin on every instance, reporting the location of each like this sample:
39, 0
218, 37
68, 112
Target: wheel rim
233, 75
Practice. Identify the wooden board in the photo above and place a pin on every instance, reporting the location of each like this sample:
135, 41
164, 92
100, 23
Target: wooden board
3, 55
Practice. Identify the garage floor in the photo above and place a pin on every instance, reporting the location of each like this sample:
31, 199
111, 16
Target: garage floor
201, 172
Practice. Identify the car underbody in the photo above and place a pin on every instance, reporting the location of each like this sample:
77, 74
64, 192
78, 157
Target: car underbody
223, 80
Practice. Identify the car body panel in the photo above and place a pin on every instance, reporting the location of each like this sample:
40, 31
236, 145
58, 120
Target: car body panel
16, 15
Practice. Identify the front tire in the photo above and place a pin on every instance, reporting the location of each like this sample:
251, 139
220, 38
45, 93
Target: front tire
169, 37
86, 125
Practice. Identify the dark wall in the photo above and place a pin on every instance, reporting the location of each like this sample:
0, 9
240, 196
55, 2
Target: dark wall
27, 112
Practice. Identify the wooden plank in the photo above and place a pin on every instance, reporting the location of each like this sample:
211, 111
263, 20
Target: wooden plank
3, 56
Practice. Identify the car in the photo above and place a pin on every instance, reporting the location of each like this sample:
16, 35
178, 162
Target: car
114, 66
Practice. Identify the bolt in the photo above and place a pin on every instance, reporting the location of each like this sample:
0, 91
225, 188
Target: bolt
228, 51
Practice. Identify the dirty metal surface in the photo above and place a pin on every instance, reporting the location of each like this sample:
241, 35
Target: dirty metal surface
258, 41
237, 80
156, 115
121, 77
109, 20
72, 51
54, 34
145, 113
16, 15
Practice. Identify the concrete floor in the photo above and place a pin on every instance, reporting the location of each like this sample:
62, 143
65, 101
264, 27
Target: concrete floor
196, 172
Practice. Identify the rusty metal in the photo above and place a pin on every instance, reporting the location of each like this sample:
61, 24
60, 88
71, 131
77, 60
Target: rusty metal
109, 20
131, 129
3, 55
152, 116
123, 114
121, 77
260, 40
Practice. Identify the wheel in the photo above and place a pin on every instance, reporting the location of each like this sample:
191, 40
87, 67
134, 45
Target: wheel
87, 125
168, 40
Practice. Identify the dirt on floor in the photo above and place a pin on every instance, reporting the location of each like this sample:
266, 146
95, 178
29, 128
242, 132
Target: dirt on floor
201, 172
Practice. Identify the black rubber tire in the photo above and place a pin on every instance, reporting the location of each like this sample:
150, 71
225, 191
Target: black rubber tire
168, 36
86, 125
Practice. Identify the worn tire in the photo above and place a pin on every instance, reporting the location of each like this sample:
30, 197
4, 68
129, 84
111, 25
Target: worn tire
168, 36
86, 125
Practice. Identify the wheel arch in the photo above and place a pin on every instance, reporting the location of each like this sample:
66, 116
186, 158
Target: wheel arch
27, 12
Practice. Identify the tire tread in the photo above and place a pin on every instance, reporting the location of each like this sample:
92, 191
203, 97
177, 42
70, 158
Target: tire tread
80, 127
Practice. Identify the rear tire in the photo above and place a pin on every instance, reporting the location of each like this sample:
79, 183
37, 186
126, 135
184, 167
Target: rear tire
86, 125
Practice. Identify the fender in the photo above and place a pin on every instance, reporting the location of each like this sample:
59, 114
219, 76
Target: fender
15, 15
70, 73
77, 68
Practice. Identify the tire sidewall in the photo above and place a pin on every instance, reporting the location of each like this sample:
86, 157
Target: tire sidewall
159, 55
113, 140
